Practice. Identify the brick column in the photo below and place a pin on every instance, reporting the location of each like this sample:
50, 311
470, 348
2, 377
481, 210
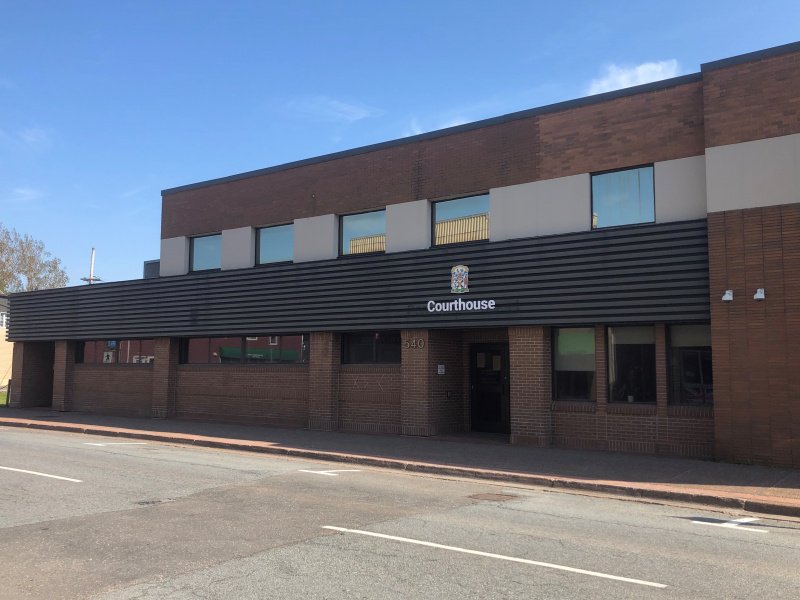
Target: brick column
63, 368
601, 379
165, 377
662, 418
415, 410
323, 380
531, 383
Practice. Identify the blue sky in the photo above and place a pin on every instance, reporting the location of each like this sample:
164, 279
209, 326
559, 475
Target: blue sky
104, 104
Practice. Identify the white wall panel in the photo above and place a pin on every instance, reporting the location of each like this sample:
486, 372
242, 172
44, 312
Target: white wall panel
174, 256
408, 226
316, 238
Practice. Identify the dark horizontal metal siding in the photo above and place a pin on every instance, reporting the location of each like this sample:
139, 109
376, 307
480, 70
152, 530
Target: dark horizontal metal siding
644, 274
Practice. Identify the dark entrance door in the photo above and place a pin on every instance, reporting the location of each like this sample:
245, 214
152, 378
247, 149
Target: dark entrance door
489, 397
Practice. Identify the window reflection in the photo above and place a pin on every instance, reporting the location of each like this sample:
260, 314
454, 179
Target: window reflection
574, 365
461, 220
276, 244
632, 364
690, 374
260, 349
379, 347
206, 252
364, 233
623, 198
110, 352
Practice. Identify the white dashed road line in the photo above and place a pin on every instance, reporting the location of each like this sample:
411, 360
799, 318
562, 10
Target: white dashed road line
332, 473
734, 524
41, 474
498, 556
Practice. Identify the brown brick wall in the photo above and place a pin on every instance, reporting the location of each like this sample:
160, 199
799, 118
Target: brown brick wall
63, 368
123, 390
165, 376
752, 101
531, 383
246, 394
325, 351
756, 345
369, 398
415, 408
654, 126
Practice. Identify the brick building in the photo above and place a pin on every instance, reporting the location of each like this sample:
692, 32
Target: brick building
622, 272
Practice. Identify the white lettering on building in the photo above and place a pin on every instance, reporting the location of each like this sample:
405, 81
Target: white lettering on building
460, 305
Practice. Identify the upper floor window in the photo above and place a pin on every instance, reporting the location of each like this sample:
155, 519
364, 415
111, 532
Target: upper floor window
205, 253
275, 244
461, 220
111, 352
363, 233
381, 347
689, 362
623, 198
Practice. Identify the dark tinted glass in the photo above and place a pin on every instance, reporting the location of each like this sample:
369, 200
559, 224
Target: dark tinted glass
691, 380
632, 364
387, 347
196, 351
623, 198
276, 244
206, 252
461, 220
573, 364
364, 233
358, 347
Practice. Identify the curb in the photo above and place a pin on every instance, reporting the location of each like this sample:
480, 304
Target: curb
741, 502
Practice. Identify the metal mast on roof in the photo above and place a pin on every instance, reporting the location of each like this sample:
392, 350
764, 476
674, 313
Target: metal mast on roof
91, 279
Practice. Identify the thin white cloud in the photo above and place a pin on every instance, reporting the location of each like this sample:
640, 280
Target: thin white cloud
324, 108
615, 77
23, 195
134, 191
36, 138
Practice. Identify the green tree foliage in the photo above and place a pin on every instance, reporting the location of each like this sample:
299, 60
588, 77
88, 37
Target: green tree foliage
25, 265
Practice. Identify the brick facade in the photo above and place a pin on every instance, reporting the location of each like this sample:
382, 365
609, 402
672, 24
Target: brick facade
32, 374
756, 345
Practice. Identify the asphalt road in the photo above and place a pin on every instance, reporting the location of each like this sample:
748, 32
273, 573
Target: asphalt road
144, 521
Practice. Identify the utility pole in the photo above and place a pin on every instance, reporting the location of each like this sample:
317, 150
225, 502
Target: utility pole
91, 279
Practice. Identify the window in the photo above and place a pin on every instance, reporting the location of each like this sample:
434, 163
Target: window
632, 364
690, 375
275, 244
109, 352
205, 253
461, 220
371, 347
623, 198
364, 233
573, 364
269, 349
3, 320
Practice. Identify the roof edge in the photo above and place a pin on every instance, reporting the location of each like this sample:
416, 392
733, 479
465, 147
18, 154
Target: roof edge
750, 57
523, 114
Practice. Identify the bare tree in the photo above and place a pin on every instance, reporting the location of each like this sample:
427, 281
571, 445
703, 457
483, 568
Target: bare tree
25, 265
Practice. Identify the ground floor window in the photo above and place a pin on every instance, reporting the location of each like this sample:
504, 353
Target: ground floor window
257, 349
371, 347
632, 364
690, 376
123, 352
573, 364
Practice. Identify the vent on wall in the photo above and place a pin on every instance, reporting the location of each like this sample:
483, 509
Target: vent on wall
152, 269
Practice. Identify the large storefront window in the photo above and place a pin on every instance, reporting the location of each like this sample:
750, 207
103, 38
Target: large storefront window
573, 364
371, 347
690, 376
632, 364
260, 350
115, 352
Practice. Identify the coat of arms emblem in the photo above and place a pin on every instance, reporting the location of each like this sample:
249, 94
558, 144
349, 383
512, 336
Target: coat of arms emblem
459, 279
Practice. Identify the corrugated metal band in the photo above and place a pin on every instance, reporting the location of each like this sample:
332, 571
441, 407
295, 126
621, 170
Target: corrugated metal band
643, 274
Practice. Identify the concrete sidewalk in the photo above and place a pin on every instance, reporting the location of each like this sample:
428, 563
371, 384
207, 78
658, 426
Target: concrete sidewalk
742, 487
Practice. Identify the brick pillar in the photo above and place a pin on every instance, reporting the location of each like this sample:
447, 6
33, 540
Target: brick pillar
63, 368
531, 383
601, 379
32, 375
323, 380
662, 418
165, 377
415, 409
